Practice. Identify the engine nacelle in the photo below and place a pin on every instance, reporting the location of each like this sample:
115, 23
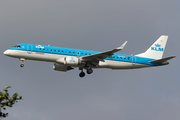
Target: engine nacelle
62, 68
72, 61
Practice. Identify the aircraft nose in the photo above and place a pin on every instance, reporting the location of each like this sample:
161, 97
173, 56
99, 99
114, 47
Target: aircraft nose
7, 52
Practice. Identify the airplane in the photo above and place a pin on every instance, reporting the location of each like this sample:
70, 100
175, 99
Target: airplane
66, 59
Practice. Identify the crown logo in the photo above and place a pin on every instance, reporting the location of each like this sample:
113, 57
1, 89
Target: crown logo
157, 45
72, 60
39, 46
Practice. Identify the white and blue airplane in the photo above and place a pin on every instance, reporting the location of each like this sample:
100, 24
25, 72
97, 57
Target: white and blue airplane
66, 59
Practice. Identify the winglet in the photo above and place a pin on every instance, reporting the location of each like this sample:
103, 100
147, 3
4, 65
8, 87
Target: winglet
122, 46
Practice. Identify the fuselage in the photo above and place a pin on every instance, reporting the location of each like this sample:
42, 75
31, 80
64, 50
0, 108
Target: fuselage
52, 54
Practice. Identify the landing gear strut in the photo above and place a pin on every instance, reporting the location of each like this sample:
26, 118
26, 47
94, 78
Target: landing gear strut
22, 60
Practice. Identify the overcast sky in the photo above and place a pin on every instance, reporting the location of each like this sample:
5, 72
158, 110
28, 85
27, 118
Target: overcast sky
142, 94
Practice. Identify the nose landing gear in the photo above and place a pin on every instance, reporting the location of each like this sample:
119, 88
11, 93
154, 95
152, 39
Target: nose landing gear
22, 65
22, 60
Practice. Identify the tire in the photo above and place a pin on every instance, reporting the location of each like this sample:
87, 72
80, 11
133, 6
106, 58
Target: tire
22, 65
82, 74
89, 71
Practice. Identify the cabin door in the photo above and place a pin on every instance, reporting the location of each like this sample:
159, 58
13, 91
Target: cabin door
29, 48
133, 60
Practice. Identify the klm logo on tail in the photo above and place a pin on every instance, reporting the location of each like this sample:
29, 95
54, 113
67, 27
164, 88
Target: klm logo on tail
157, 48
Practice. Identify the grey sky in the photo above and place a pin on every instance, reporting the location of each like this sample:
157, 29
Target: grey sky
150, 93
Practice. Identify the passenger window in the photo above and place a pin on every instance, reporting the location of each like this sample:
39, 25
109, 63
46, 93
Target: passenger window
73, 52
117, 57
62, 51
66, 51
51, 49
128, 58
70, 52
58, 50
40, 48
47, 49
82, 53
55, 50
43, 49
86, 53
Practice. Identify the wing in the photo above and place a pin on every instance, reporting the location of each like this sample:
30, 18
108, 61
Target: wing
95, 58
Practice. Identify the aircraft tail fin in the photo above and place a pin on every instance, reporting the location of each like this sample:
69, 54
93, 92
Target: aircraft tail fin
156, 50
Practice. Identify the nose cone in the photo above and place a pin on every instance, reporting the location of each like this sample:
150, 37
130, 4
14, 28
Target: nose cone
7, 52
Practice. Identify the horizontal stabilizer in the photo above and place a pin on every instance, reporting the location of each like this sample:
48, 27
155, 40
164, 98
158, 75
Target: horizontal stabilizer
162, 60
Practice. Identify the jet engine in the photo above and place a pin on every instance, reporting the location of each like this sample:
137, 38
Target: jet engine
63, 68
72, 61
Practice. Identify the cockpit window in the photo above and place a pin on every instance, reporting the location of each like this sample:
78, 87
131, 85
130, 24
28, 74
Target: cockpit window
18, 46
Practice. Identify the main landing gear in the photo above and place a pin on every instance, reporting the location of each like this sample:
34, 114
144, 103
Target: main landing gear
82, 74
22, 60
89, 71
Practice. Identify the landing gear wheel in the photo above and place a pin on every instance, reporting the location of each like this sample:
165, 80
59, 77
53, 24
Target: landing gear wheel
82, 74
22, 65
89, 71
